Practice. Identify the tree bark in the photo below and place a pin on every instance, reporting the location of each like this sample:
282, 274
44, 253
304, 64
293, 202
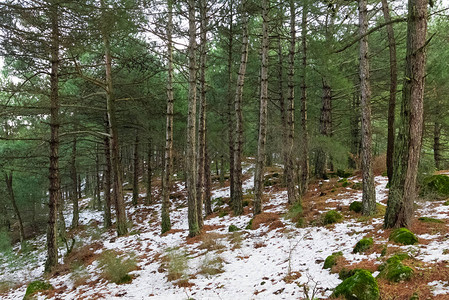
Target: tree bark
168, 155
97, 178
437, 145
304, 154
321, 157
393, 88
149, 197
117, 186
369, 192
9, 187
107, 178
408, 144
73, 192
208, 183
260, 162
191, 163
136, 171
231, 126
238, 149
54, 190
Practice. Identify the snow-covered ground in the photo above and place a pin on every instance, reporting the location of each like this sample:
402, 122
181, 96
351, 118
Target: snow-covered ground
259, 267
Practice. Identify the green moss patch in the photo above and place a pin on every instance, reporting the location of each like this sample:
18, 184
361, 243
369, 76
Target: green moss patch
362, 285
356, 206
331, 217
343, 173
331, 260
403, 236
233, 228
35, 287
394, 270
436, 184
430, 220
363, 245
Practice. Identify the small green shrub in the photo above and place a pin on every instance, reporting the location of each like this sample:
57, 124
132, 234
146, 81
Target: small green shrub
343, 173
363, 245
233, 228
331, 217
430, 220
436, 184
356, 206
294, 212
345, 184
5, 242
331, 260
176, 262
222, 214
357, 186
250, 225
79, 274
35, 287
362, 285
446, 203
403, 236
116, 268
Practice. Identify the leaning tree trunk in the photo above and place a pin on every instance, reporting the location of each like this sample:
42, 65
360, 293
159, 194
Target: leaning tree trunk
73, 192
55, 190
191, 163
117, 186
304, 154
9, 187
168, 155
238, 149
136, 171
107, 178
393, 88
369, 192
260, 162
408, 144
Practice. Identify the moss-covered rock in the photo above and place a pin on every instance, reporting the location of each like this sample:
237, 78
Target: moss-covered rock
394, 270
430, 220
362, 286
403, 236
345, 273
436, 184
331, 260
233, 228
35, 287
363, 245
331, 217
356, 206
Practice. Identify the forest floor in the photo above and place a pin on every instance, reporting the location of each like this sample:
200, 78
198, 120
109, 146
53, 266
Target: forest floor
272, 259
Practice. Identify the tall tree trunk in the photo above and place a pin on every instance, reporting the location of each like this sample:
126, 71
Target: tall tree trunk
55, 190
437, 145
260, 162
9, 187
201, 180
80, 195
304, 149
238, 149
149, 197
117, 186
73, 192
168, 155
191, 163
355, 120
321, 157
107, 178
136, 171
393, 88
369, 192
231, 126
408, 144
97, 178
